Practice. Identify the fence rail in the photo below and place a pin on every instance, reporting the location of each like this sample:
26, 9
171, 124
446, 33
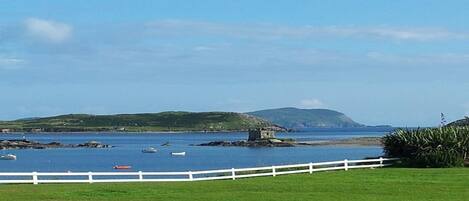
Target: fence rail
233, 173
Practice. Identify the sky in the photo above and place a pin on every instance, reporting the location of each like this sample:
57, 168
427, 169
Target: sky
397, 62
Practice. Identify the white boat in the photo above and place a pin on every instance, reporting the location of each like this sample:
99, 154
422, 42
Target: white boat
8, 157
149, 150
178, 153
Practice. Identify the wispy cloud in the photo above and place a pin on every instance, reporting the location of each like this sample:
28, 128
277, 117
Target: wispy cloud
418, 34
271, 31
9, 63
203, 48
224, 48
447, 58
47, 30
311, 103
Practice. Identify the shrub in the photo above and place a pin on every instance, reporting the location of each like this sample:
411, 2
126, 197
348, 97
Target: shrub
429, 147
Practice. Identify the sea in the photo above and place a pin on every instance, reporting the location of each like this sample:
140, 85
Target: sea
127, 150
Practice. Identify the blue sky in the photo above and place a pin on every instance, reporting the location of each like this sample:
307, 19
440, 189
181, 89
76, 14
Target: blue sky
380, 62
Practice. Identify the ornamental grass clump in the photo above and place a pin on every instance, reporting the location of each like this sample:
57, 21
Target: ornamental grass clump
429, 147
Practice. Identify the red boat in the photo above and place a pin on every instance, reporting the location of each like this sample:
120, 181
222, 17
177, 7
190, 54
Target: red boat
122, 167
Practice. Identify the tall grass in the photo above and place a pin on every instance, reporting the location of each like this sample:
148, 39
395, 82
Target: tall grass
429, 147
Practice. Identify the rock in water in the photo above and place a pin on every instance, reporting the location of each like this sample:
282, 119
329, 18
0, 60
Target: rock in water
26, 144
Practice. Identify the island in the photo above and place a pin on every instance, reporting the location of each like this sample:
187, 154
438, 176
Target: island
146, 122
280, 119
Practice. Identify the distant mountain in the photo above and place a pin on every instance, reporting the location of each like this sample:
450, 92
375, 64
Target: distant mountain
164, 121
306, 118
461, 122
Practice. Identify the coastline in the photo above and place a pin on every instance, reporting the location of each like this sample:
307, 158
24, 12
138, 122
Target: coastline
124, 132
365, 129
357, 141
278, 142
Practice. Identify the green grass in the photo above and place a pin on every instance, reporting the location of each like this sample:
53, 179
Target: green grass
378, 184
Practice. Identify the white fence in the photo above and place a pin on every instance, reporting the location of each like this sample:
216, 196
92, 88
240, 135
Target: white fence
233, 173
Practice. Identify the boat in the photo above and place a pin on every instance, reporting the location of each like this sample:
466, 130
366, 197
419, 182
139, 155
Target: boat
149, 150
122, 167
165, 144
8, 157
178, 153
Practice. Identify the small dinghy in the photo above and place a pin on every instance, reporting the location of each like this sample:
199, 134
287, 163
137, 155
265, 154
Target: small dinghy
8, 157
122, 167
178, 153
149, 150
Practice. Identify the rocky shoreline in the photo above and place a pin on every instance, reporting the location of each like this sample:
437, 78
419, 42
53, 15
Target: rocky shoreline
27, 144
361, 141
246, 143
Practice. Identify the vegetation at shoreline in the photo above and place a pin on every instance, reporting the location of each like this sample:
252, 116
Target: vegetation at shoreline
165, 121
461, 122
429, 147
379, 184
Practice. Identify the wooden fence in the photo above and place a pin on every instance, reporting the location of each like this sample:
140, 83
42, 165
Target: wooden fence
233, 173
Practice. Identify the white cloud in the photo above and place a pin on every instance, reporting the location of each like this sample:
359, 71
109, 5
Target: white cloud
445, 58
10, 63
48, 31
270, 31
419, 34
311, 103
203, 48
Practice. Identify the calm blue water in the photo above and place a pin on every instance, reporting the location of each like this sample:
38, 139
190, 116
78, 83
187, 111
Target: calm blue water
128, 146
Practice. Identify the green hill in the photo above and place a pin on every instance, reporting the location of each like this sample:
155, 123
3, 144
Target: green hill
165, 121
461, 122
306, 118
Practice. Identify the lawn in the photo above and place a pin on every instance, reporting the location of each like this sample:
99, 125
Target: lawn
378, 184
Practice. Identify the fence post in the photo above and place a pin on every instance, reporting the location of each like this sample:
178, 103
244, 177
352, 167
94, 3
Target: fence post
140, 175
274, 173
381, 161
310, 168
90, 177
35, 179
191, 177
346, 164
233, 173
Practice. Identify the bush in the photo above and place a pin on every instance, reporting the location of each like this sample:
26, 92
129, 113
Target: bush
429, 147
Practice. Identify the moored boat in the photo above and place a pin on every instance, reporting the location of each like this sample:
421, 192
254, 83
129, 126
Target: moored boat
149, 150
8, 157
122, 167
178, 153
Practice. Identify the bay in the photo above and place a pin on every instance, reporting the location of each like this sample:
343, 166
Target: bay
128, 146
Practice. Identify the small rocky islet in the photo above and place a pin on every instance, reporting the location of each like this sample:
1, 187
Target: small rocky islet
265, 137
247, 143
28, 144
